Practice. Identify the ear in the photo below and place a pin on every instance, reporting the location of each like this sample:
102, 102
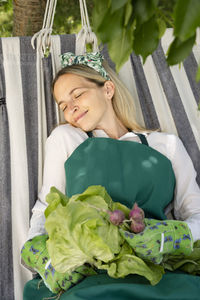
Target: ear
109, 89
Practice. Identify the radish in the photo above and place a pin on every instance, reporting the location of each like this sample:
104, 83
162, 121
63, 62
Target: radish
116, 217
137, 226
136, 213
136, 216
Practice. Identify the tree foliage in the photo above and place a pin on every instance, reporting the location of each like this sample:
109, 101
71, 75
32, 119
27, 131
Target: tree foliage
126, 25
67, 17
138, 25
6, 18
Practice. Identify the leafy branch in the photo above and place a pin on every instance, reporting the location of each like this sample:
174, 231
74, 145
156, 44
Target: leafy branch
138, 25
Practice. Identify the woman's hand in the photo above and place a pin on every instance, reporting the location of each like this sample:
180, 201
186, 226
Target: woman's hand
35, 255
159, 239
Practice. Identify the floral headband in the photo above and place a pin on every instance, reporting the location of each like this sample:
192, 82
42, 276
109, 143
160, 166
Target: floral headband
92, 60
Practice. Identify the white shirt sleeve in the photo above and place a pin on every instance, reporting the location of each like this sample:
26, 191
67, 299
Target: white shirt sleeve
187, 192
59, 146
53, 175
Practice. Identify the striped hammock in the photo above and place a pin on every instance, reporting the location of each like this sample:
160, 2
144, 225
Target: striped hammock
166, 98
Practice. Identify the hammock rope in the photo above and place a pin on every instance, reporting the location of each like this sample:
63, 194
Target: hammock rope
43, 36
84, 37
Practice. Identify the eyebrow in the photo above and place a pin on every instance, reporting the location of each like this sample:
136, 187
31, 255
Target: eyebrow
63, 101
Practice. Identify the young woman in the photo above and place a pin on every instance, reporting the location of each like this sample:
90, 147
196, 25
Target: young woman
102, 144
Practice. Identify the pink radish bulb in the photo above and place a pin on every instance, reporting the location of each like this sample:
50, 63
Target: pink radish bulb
136, 213
116, 217
137, 226
136, 216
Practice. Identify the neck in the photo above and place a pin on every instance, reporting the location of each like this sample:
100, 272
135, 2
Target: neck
114, 128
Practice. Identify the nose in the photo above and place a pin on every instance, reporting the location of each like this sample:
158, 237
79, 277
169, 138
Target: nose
72, 106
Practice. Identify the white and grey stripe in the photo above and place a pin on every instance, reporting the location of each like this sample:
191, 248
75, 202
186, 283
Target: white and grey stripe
29, 90
18, 154
176, 104
146, 102
6, 258
190, 65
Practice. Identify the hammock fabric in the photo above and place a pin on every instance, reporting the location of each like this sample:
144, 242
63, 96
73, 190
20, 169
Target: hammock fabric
165, 97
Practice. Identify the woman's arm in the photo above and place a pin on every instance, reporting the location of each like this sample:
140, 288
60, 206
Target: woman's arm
187, 192
53, 175
59, 146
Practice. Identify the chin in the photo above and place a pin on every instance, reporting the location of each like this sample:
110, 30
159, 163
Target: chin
86, 127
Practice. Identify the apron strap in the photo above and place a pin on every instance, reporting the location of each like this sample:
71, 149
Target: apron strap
142, 138
89, 133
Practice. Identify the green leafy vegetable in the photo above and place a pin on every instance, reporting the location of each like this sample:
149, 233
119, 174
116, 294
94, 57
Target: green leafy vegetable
54, 198
80, 232
189, 264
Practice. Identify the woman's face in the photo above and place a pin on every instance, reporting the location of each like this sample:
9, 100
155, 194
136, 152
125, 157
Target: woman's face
84, 104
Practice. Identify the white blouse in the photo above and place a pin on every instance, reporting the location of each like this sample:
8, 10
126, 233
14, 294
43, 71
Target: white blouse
64, 139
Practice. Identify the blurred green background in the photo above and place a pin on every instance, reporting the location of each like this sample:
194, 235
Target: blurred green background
67, 17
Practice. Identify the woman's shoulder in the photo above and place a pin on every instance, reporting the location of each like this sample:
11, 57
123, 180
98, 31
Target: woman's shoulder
66, 138
167, 143
67, 131
165, 137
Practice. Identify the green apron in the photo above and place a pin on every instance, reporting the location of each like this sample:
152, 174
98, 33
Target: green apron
130, 172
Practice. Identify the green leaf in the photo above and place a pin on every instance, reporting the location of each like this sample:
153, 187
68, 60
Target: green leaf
144, 9
198, 75
94, 190
99, 12
131, 264
128, 13
117, 4
54, 200
161, 27
63, 197
187, 18
121, 48
179, 50
54, 197
106, 31
146, 38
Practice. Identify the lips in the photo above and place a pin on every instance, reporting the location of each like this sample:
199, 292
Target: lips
80, 116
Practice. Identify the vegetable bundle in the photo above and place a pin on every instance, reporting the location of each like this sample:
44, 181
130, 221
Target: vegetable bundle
80, 232
82, 229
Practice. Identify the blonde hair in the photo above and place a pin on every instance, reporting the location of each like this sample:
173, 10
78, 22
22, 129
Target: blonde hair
123, 102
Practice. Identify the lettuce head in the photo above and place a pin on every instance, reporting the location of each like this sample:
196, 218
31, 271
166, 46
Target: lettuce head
80, 232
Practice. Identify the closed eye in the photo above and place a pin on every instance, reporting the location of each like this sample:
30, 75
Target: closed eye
63, 105
78, 95
63, 108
